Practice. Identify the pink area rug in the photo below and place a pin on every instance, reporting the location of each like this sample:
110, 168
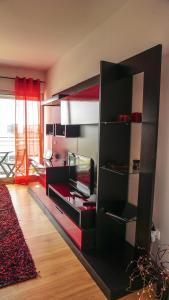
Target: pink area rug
16, 263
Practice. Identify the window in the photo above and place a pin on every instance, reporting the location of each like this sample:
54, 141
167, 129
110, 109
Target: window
7, 123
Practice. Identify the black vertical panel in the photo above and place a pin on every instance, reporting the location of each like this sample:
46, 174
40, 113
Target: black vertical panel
114, 146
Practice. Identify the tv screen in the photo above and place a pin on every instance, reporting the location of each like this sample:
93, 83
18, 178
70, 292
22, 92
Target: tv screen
81, 173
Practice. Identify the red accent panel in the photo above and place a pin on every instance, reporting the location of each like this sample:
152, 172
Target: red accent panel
73, 230
92, 93
61, 188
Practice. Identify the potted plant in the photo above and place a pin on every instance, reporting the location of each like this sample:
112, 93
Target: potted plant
153, 273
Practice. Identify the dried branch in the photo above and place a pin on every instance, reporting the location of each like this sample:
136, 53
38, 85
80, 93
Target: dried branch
150, 270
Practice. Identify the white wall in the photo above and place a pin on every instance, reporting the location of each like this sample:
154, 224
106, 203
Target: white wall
139, 25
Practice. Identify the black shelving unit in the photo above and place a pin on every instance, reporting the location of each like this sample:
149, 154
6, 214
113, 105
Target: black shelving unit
114, 146
107, 263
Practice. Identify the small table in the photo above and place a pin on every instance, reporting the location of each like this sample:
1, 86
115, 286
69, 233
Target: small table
3, 156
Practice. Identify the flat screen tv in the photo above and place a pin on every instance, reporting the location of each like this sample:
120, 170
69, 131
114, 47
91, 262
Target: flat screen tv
81, 173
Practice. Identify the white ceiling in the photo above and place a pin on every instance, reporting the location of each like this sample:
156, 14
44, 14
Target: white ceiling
36, 33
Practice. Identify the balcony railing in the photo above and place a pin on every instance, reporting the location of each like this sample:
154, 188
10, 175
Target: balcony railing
7, 144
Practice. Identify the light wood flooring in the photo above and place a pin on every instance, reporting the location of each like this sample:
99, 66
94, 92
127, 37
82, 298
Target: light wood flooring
61, 274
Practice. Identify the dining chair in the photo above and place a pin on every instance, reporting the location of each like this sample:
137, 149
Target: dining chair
16, 165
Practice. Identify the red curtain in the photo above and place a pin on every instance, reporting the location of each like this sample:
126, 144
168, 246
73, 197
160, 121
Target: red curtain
28, 126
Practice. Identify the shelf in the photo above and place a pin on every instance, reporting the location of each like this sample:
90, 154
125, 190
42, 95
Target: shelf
125, 123
115, 123
54, 101
122, 212
119, 172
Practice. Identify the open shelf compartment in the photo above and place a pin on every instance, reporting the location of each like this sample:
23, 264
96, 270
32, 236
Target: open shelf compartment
122, 212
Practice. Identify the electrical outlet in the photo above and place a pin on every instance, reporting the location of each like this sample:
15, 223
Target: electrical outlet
158, 234
155, 235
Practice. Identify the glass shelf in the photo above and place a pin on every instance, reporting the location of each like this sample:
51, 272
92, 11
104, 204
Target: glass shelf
115, 123
125, 123
122, 212
119, 172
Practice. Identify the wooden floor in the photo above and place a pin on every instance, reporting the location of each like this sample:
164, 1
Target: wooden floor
61, 274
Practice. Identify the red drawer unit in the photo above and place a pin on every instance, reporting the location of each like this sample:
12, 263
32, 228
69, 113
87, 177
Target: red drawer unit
77, 220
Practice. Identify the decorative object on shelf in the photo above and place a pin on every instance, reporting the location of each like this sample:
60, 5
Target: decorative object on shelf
136, 117
123, 118
136, 165
57, 155
153, 272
